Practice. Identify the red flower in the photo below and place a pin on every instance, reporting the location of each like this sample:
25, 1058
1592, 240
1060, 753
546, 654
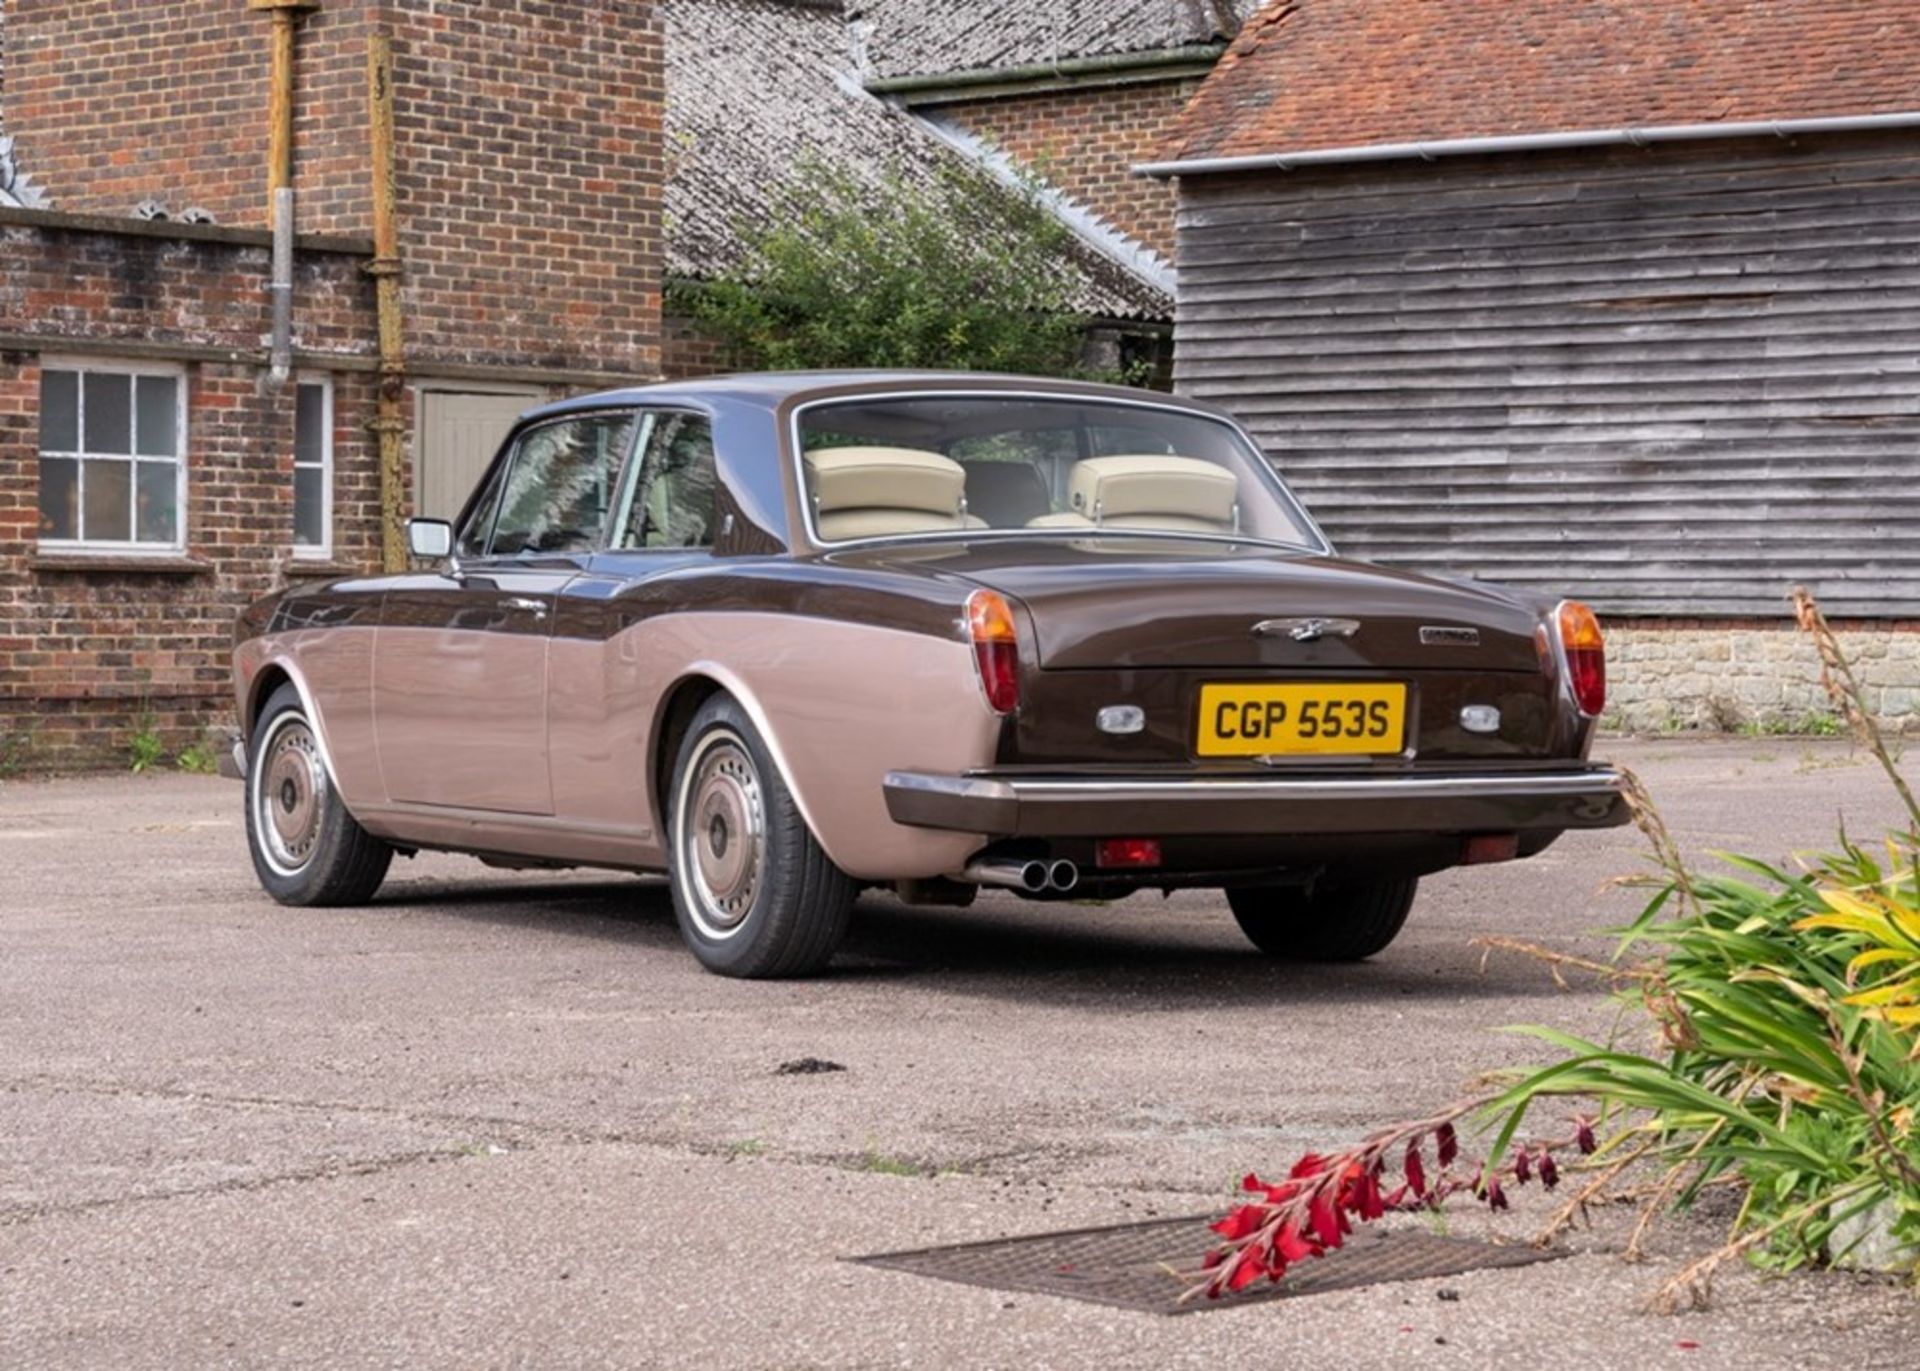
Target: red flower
1251, 1183
1310, 1165
1242, 1220
1495, 1197
1250, 1268
1325, 1220
1522, 1165
1583, 1134
1291, 1247
1447, 1144
1549, 1173
1416, 1170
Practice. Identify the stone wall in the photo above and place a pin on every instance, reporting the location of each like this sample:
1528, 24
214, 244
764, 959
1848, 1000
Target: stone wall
1732, 675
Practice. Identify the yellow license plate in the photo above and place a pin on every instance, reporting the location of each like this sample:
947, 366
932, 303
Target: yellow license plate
1306, 718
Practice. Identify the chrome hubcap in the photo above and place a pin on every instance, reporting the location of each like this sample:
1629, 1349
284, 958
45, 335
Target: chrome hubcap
723, 834
290, 795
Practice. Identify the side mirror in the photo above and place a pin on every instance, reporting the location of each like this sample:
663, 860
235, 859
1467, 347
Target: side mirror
429, 538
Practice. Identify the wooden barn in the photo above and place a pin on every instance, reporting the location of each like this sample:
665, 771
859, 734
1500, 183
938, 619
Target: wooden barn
1621, 300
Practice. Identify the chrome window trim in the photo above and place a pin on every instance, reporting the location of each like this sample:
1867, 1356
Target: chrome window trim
1277, 486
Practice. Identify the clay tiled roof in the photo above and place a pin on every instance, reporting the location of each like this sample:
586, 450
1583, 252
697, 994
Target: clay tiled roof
1312, 74
758, 88
932, 37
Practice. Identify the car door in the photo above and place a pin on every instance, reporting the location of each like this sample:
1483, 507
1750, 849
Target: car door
461, 654
603, 695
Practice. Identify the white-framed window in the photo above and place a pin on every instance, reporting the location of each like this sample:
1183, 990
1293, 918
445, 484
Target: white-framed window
313, 467
113, 465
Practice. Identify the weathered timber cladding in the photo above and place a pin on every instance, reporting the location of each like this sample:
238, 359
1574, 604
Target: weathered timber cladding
1675, 381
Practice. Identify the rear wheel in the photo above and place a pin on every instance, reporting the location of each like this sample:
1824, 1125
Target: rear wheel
307, 850
1329, 924
754, 894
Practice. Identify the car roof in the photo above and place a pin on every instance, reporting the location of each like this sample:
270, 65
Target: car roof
772, 389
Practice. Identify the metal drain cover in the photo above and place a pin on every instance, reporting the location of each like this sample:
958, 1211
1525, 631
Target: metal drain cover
1129, 1266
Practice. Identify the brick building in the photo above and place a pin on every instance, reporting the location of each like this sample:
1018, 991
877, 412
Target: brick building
153, 476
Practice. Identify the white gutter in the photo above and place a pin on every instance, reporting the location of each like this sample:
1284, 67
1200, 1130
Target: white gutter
1530, 142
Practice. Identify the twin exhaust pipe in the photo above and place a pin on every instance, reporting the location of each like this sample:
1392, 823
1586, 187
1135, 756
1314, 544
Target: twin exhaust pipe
1033, 876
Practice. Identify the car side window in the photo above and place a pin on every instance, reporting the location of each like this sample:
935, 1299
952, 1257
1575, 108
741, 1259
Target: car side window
670, 503
559, 485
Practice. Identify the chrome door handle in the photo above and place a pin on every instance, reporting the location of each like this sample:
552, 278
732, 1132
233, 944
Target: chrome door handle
537, 608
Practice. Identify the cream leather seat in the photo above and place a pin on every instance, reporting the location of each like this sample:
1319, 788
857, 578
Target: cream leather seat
870, 492
1182, 494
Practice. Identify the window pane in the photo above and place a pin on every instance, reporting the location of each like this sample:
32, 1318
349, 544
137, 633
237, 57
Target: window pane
109, 412
309, 498
157, 503
157, 400
108, 515
309, 425
559, 485
59, 411
673, 499
59, 497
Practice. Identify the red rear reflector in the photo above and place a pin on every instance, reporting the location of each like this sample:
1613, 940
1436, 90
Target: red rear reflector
996, 649
1586, 656
1491, 847
1127, 852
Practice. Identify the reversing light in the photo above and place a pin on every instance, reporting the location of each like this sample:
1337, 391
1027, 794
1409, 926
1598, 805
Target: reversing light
1585, 654
1111, 852
996, 649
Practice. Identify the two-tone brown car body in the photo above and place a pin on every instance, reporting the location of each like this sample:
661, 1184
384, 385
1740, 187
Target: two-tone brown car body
788, 636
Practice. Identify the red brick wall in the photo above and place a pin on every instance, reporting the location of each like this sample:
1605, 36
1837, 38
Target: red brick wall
112, 103
528, 142
85, 653
529, 137
686, 351
1086, 143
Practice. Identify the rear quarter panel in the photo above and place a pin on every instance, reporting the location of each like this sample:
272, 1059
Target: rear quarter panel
843, 682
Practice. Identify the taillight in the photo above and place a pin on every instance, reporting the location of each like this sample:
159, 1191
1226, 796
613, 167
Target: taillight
996, 649
1585, 654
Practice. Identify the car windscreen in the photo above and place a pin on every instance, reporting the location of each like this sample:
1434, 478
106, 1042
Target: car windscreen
931, 463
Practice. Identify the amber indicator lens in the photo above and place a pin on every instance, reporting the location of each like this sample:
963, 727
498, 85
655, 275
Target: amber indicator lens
996, 649
1586, 656
1112, 852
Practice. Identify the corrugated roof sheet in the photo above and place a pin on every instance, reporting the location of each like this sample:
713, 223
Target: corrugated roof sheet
757, 87
929, 37
1308, 74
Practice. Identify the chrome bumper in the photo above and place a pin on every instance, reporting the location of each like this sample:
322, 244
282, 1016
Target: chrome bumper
1054, 806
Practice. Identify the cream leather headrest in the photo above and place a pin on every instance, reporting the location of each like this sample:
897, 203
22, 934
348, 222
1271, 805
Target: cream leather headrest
893, 478
1105, 489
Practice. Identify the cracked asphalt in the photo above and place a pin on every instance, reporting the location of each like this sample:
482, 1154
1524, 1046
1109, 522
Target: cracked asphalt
503, 1120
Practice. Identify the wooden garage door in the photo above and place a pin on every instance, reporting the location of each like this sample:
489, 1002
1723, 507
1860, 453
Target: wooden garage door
459, 433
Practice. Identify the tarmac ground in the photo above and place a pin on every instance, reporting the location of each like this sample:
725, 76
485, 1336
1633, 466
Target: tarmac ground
505, 1120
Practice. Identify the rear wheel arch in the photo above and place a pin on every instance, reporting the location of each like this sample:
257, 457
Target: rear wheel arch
670, 726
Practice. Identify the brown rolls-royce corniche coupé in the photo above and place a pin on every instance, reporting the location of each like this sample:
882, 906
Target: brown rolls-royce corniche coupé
787, 636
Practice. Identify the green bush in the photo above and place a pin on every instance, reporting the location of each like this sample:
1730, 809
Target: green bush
958, 273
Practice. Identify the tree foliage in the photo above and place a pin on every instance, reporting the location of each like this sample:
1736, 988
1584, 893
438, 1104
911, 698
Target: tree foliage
955, 272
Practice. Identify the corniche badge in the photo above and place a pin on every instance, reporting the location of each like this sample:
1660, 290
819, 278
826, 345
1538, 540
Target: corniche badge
1448, 635
1306, 630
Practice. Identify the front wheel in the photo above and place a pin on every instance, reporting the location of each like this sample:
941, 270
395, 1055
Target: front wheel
754, 894
307, 850
1329, 924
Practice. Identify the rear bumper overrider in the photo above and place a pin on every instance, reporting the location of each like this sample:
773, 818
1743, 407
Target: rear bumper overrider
1068, 806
